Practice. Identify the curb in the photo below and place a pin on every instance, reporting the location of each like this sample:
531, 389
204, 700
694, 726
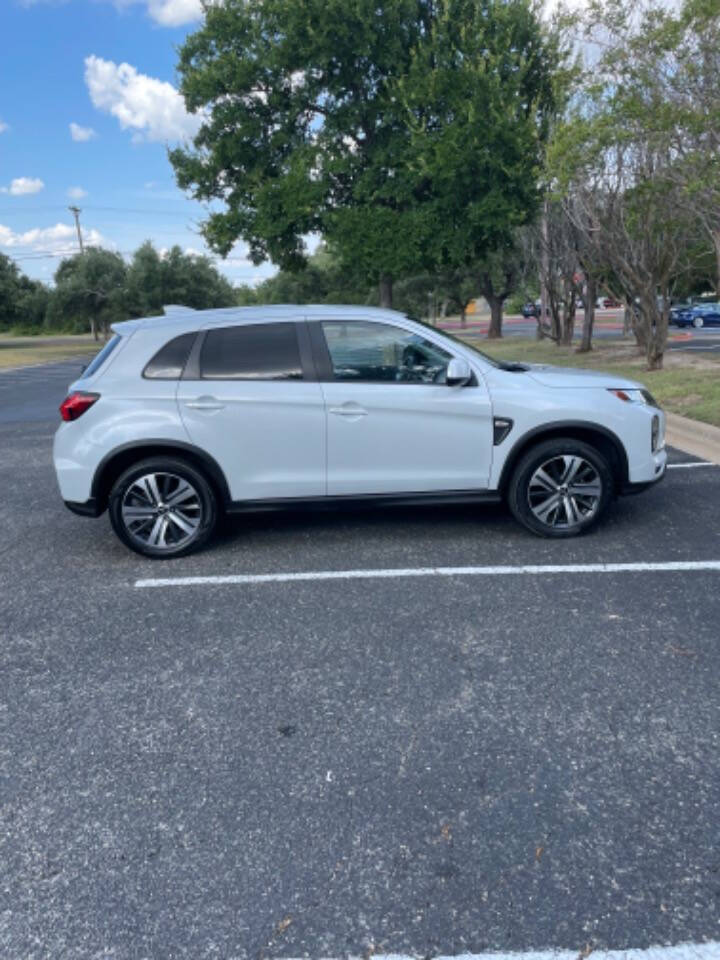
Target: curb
692, 436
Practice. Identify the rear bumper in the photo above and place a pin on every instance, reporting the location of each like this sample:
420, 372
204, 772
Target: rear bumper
88, 508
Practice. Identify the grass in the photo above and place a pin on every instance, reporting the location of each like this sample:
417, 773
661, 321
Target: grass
30, 351
688, 385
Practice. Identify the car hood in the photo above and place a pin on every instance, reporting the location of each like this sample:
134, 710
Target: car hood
570, 377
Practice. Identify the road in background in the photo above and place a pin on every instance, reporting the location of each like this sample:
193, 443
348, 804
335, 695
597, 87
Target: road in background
608, 326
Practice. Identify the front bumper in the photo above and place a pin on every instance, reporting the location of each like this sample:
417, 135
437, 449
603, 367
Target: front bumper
659, 468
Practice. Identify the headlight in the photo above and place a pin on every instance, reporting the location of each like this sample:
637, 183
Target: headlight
635, 395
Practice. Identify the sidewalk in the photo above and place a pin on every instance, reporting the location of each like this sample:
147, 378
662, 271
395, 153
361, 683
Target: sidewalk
699, 439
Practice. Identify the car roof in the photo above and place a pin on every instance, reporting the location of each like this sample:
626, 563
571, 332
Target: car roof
182, 319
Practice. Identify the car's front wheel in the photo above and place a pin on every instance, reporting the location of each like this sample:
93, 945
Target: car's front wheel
697, 322
560, 488
163, 507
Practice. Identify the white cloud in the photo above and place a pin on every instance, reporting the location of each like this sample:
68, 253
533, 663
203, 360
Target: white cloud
58, 239
4, 126
174, 13
23, 185
168, 13
81, 134
152, 108
76, 193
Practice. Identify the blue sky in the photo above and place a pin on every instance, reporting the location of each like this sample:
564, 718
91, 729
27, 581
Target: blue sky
106, 67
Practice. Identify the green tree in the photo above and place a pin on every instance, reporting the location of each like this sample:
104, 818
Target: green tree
9, 292
407, 133
484, 83
90, 290
154, 280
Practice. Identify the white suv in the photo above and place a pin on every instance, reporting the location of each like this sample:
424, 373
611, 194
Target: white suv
182, 417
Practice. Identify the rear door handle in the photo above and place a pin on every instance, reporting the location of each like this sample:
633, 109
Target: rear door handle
351, 411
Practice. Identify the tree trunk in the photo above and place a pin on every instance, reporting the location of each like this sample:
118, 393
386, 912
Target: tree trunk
588, 315
655, 354
463, 316
496, 317
386, 291
93, 327
716, 240
627, 321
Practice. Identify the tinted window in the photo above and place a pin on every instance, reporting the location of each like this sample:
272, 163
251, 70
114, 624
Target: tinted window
169, 362
380, 353
262, 351
100, 358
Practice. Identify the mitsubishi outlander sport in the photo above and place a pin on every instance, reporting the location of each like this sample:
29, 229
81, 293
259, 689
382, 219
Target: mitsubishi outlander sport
184, 417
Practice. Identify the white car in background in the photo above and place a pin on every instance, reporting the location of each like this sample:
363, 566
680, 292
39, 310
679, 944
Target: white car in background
184, 417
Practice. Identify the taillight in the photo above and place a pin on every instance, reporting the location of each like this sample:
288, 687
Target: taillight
75, 405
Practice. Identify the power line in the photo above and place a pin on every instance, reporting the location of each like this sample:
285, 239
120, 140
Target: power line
134, 210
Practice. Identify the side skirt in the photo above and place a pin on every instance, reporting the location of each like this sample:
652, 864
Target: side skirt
368, 501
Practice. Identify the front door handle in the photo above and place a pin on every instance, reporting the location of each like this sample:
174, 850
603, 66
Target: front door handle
350, 411
205, 403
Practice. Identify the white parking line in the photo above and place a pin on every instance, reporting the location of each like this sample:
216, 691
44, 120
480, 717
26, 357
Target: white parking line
526, 569
686, 466
683, 951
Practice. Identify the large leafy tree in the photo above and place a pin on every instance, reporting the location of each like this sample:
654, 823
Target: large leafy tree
408, 133
301, 133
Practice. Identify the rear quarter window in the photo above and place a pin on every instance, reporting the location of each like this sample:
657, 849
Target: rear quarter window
169, 362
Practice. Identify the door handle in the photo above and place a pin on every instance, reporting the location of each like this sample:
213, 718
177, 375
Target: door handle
204, 403
352, 411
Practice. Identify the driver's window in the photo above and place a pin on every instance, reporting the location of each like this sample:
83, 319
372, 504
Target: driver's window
380, 353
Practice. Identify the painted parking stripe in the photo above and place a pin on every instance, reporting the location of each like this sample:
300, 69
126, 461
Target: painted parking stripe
400, 572
683, 951
686, 466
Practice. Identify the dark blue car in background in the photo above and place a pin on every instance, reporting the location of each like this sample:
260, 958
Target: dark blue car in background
701, 315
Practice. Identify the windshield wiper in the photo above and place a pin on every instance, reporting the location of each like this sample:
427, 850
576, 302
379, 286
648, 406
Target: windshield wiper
514, 367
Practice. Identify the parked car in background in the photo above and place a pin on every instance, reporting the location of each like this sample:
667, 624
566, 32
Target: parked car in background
676, 311
610, 303
700, 315
531, 309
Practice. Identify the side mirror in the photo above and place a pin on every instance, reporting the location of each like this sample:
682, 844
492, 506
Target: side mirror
458, 372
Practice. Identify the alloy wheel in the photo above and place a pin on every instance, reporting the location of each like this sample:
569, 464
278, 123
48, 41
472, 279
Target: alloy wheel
565, 492
161, 510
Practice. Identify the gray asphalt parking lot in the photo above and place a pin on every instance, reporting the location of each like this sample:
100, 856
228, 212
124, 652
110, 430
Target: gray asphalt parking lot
322, 768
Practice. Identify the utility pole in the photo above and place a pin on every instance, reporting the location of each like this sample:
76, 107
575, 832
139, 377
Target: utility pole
76, 211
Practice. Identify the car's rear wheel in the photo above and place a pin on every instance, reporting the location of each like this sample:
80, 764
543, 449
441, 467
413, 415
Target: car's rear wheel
697, 322
163, 507
560, 488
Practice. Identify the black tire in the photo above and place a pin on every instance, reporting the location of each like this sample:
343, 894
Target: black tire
196, 511
525, 491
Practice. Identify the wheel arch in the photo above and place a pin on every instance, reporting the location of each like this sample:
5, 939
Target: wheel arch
604, 440
124, 456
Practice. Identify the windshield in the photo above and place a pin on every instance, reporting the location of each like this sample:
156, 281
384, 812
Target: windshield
464, 343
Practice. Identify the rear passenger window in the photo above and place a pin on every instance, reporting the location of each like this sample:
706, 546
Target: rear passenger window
169, 362
260, 351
